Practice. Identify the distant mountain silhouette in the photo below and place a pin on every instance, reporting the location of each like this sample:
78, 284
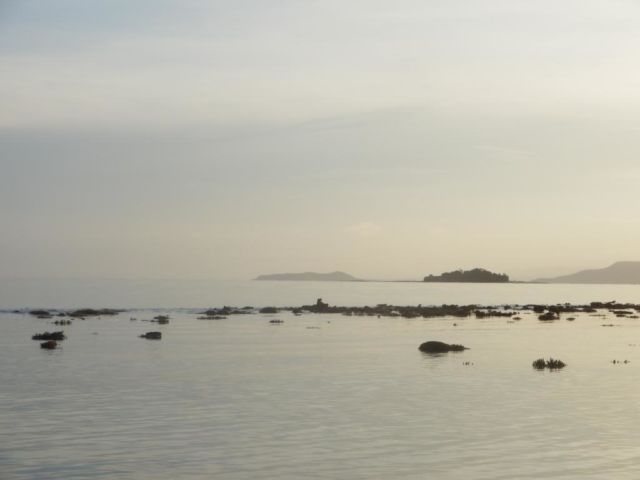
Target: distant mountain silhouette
618, 273
310, 276
477, 275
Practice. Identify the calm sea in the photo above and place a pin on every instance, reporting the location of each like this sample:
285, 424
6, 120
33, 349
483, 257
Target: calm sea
319, 396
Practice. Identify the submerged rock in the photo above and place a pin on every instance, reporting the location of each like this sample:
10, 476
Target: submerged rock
58, 336
152, 335
49, 345
440, 347
276, 321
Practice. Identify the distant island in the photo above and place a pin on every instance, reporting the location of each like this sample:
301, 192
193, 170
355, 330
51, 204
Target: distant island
310, 276
618, 273
477, 275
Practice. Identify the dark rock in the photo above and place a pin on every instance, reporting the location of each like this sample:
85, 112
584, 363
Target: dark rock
276, 321
269, 310
40, 313
49, 345
152, 335
440, 347
161, 319
551, 364
58, 336
549, 316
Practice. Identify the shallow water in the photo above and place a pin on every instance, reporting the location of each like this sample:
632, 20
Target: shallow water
204, 293
352, 398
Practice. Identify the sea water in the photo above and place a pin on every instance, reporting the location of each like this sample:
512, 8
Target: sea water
324, 396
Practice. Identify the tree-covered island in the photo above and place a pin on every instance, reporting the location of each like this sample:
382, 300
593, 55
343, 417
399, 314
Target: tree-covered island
477, 275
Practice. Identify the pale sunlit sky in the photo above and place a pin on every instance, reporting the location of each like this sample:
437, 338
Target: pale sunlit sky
387, 139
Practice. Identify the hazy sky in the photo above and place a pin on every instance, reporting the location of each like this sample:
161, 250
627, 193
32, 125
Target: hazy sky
388, 139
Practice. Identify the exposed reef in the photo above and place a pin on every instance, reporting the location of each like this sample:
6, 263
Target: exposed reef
152, 335
440, 347
58, 336
551, 364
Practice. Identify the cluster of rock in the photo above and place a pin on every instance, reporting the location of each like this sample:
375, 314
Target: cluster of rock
551, 364
223, 313
51, 339
437, 347
81, 313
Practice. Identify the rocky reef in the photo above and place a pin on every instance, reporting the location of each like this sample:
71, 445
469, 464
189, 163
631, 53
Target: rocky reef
551, 364
433, 346
57, 336
152, 335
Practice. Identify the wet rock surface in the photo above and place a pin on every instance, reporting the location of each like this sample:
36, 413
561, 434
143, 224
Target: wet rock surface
57, 336
433, 346
49, 345
152, 335
551, 364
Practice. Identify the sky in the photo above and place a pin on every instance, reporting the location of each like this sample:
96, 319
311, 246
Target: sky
226, 139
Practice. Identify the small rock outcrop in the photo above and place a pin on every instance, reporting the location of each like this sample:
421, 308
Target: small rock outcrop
49, 345
549, 317
152, 335
161, 319
551, 364
269, 310
440, 347
57, 336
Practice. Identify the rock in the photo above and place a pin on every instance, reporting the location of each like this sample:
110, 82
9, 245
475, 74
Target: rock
269, 310
49, 345
152, 335
440, 347
40, 313
549, 316
276, 321
551, 364
161, 319
57, 336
